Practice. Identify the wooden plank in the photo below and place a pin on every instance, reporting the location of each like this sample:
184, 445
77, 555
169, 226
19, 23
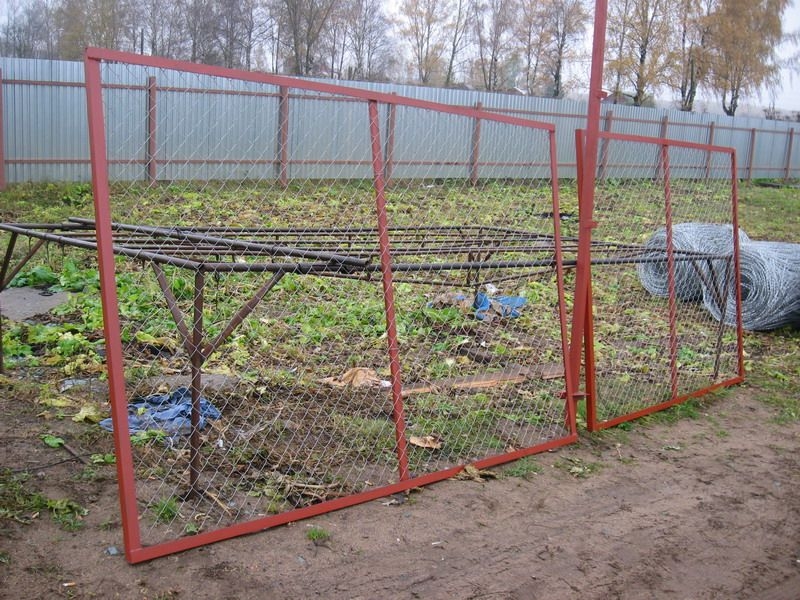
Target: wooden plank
508, 375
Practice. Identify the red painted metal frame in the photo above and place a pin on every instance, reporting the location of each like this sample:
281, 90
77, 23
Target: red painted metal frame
587, 164
135, 552
587, 332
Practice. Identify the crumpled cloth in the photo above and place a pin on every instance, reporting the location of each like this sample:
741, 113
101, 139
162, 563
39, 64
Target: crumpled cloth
170, 412
486, 307
489, 307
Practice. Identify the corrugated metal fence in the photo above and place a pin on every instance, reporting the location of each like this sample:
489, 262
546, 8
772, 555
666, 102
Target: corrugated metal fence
45, 138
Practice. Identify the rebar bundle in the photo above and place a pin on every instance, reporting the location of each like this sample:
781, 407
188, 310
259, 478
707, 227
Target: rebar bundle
703, 258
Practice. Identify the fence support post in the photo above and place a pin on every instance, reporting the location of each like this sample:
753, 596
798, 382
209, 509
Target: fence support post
662, 134
391, 119
601, 175
750, 155
475, 151
788, 169
283, 137
2, 140
708, 152
151, 130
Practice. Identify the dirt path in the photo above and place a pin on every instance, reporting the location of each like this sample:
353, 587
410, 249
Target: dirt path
703, 508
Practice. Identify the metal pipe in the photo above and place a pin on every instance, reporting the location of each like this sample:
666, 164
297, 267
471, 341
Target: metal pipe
242, 314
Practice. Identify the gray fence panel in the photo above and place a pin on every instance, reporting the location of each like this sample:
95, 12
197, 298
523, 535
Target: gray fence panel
46, 135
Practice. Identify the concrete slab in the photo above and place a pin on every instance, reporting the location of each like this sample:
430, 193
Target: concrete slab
23, 303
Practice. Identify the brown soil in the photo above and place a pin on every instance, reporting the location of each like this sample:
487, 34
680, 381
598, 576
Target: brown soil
703, 508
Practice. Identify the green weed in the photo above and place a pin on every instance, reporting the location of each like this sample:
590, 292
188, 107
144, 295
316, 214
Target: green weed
165, 510
522, 468
318, 536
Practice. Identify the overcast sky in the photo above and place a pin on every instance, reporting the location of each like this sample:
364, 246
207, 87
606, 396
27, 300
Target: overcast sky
789, 97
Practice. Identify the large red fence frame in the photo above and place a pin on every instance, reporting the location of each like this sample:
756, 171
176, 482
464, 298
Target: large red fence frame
388, 245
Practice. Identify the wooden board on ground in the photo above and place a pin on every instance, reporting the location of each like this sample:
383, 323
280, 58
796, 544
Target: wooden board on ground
510, 374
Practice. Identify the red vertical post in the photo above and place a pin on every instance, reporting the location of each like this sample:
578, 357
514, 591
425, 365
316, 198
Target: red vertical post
283, 137
108, 295
388, 294
2, 140
673, 299
788, 169
474, 155
737, 263
151, 130
709, 151
562, 313
750, 156
196, 383
604, 146
391, 119
583, 274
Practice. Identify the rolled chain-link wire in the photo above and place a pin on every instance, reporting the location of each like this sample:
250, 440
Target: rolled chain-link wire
770, 288
770, 274
691, 241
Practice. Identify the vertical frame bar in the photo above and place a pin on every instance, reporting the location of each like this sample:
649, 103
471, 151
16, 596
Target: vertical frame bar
751, 155
737, 267
789, 143
283, 137
562, 313
151, 130
2, 140
601, 174
474, 155
197, 382
391, 121
673, 298
388, 293
583, 271
662, 134
711, 126
108, 294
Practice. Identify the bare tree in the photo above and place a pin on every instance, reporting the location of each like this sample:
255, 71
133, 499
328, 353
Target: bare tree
29, 30
162, 23
532, 38
691, 53
369, 39
493, 24
199, 18
303, 25
458, 27
566, 24
424, 27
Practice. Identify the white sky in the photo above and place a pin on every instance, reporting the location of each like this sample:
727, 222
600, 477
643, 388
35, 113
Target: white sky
789, 97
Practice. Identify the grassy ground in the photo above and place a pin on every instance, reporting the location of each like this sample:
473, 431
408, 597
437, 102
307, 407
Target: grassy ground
318, 324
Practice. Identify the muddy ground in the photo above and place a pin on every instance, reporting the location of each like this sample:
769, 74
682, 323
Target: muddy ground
702, 508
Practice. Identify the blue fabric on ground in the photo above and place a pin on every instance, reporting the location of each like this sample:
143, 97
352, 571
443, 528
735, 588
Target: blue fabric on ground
504, 306
171, 413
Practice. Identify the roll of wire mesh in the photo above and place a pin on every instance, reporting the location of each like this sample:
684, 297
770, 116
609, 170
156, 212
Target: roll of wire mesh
703, 253
770, 288
694, 244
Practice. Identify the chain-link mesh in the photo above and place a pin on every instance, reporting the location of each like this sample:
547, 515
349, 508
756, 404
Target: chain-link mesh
321, 295
673, 206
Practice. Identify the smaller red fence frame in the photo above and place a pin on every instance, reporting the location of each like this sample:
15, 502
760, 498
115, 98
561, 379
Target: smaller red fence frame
398, 257
707, 171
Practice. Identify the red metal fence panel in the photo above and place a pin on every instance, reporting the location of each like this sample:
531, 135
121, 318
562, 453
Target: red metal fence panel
651, 340
318, 342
